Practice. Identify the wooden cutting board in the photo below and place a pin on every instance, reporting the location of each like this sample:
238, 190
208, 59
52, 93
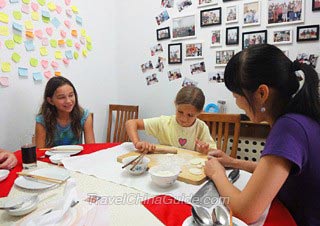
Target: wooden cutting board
182, 154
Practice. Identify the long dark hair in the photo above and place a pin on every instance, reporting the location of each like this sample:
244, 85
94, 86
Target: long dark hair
191, 95
50, 114
266, 64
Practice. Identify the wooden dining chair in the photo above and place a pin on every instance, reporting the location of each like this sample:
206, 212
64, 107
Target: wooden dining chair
223, 126
116, 128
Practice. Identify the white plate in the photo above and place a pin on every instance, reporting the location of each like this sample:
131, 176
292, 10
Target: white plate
30, 204
4, 174
57, 158
65, 149
30, 183
190, 222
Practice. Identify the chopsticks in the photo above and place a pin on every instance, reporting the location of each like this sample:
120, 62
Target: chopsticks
48, 179
231, 222
137, 158
60, 149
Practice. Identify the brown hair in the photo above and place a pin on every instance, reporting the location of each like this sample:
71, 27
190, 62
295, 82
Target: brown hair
191, 95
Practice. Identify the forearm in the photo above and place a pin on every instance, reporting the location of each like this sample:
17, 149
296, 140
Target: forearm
245, 165
132, 131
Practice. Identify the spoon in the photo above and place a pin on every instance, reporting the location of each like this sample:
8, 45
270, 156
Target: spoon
219, 216
201, 215
234, 175
18, 205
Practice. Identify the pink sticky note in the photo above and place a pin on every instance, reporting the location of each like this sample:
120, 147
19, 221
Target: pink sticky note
65, 61
44, 63
38, 34
45, 42
47, 74
58, 9
77, 45
49, 30
82, 40
69, 12
4, 81
67, 23
63, 33
34, 6
54, 64
25, 9
2, 3
67, 2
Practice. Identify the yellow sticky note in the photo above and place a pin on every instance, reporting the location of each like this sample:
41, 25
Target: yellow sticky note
74, 33
83, 32
57, 73
74, 9
4, 31
35, 16
9, 44
41, 2
88, 38
29, 34
58, 55
26, 1
43, 51
84, 52
89, 46
15, 57
17, 15
4, 18
33, 62
61, 42
53, 43
51, 6
69, 42
28, 24
75, 55
17, 38
6, 67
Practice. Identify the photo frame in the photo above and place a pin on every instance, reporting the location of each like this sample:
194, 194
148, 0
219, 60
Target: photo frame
315, 5
223, 56
232, 35
163, 33
216, 38
295, 12
175, 53
209, 17
194, 50
281, 36
183, 27
308, 33
253, 38
204, 3
251, 13
232, 14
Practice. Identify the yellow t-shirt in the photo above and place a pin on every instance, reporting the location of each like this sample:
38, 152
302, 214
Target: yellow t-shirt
169, 132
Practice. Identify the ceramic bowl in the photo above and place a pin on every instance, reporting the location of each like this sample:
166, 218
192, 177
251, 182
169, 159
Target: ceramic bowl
57, 158
30, 203
4, 174
140, 168
164, 175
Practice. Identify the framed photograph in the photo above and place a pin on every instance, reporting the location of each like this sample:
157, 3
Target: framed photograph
315, 5
197, 68
308, 33
163, 33
253, 38
183, 27
203, 3
210, 17
232, 14
281, 36
232, 35
251, 13
223, 57
282, 12
194, 50
175, 53
216, 38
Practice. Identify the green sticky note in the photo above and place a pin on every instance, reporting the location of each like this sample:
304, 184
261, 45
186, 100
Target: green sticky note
45, 19
43, 51
17, 15
41, 2
15, 57
9, 44
75, 55
89, 46
33, 62
84, 52
83, 32
69, 42
89, 39
53, 43
4, 31
4, 17
6, 67
58, 55
26, 1
17, 38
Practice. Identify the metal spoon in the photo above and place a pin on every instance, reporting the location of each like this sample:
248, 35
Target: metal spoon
219, 216
234, 175
201, 215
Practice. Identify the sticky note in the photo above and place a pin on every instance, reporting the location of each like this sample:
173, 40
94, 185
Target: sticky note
45, 42
4, 31
75, 55
4, 18
82, 40
83, 32
67, 2
37, 76
15, 57
61, 42
45, 14
51, 6
25, 9
43, 51
14, 1
58, 55
2, 4
79, 20
69, 12
74, 9
74, 33
69, 42
58, 9
29, 45
55, 22
17, 15
17, 38
29, 34
34, 6
26, 1
28, 24
84, 52
35, 16
44, 63
23, 71
89, 39
89, 46
47, 74
63, 33
53, 43
33, 62
77, 45
17, 27
57, 73
38, 34
4, 81
41, 2
65, 61
9, 44
68, 54
49, 30
6, 67
54, 64
67, 23
45, 19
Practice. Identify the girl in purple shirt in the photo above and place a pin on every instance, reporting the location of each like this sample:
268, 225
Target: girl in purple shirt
269, 87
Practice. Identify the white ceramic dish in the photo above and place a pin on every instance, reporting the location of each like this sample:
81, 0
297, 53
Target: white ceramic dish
164, 175
140, 168
4, 174
190, 222
65, 149
33, 184
30, 204
57, 158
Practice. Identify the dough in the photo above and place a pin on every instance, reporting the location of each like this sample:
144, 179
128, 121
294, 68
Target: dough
195, 171
195, 161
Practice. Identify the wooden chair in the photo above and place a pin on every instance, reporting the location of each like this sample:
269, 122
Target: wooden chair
221, 126
122, 114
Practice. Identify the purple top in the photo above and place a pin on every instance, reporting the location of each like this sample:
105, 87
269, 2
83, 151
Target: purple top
297, 138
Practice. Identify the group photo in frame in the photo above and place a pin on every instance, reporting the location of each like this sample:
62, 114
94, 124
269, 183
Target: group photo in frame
183, 27
283, 12
253, 38
194, 50
223, 57
315, 5
216, 38
175, 53
232, 13
163, 33
209, 17
232, 35
251, 13
308, 33
281, 36
203, 3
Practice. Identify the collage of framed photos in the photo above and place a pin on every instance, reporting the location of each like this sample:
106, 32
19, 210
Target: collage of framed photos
230, 25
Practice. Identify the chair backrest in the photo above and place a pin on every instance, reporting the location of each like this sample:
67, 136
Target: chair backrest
117, 127
221, 126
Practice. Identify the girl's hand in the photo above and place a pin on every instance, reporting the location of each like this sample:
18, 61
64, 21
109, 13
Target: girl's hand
143, 145
7, 160
202, 147
213, 169
222, 157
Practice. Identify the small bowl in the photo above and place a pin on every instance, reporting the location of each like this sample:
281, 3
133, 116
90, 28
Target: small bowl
164, 175
57, 158
140, 168
30, 203
4, 174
